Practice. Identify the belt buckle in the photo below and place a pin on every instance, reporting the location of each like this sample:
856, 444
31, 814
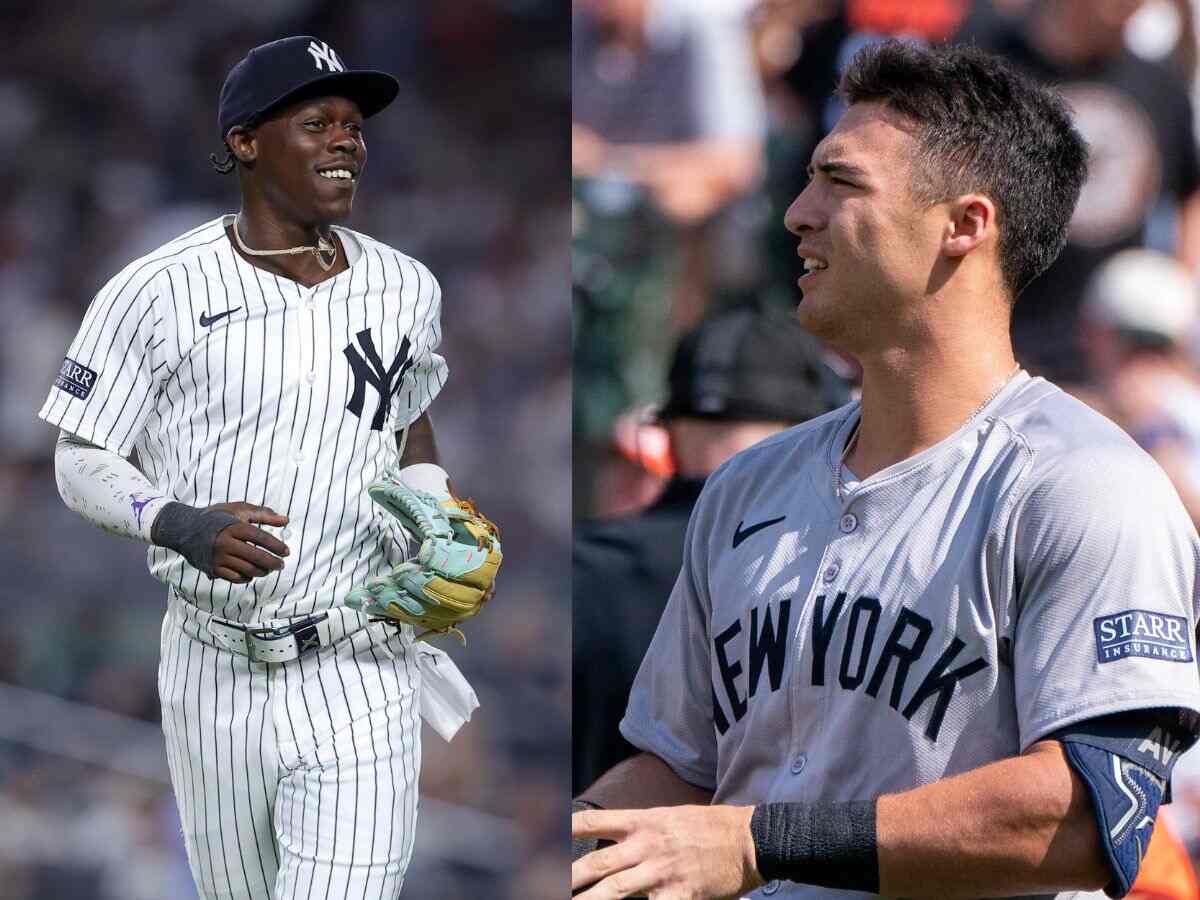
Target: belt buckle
303, 633
306, 636
267, 633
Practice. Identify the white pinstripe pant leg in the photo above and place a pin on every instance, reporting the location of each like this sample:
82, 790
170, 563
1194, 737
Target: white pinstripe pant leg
224, 764
349, 736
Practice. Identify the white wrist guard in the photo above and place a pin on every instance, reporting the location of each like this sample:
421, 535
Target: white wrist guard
427, 477
106, 489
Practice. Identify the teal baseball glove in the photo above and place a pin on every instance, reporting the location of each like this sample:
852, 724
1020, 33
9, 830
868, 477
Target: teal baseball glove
454, 571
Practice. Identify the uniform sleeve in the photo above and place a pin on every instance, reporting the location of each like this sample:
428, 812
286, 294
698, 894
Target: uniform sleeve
1106, 574
424, 379
670, 710
113, 370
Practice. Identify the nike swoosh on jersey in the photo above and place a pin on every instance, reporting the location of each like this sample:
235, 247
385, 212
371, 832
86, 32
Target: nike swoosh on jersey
206, 320
740, 534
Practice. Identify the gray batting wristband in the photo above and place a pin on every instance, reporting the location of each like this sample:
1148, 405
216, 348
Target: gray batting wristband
825, 844
190, 532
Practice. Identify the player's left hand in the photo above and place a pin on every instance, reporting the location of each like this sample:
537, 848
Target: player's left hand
452, 574
669, 853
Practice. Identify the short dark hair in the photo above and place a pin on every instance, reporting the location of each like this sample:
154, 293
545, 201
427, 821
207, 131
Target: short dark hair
983, 127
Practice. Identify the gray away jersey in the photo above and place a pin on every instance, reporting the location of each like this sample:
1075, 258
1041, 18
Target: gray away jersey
1032, 570
236, 384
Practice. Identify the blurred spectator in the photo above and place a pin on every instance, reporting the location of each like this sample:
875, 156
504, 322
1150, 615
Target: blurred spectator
1139, 331
665, 95
1165, 30
636, 470
739, 378
1136, 116
667, 126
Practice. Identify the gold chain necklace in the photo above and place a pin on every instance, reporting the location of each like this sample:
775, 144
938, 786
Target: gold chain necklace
853, 439
323, 246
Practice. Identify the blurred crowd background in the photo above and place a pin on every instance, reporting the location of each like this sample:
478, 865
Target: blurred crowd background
107, 118
692, 124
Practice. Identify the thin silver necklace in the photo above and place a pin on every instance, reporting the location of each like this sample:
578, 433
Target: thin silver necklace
853, 439
323, 246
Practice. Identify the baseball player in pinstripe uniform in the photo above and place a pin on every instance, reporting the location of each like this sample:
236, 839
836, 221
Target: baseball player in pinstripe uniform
267, 368
939, 642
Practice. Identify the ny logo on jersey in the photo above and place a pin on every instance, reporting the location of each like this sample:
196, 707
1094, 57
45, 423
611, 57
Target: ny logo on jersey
371, 371
324, 57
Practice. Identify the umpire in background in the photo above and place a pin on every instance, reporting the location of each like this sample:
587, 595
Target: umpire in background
738, 378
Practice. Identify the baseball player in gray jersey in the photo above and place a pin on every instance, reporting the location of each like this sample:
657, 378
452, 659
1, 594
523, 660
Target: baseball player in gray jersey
939, 642
270, 369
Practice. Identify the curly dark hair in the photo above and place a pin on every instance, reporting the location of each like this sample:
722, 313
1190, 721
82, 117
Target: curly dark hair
223, 166
227, 162
983, 127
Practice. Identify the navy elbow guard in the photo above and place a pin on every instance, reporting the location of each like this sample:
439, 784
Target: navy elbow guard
1126, 797
1126, 761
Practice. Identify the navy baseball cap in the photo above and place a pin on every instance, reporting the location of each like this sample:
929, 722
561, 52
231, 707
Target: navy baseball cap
293, 68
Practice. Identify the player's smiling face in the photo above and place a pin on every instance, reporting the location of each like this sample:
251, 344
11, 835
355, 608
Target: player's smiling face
310, 158
869, 246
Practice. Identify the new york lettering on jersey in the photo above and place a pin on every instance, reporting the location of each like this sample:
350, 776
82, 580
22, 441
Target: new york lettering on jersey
848, 633
894, 652
231, 382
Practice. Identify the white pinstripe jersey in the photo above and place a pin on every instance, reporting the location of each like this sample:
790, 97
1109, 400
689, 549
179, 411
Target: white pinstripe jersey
233, 383
1032, 570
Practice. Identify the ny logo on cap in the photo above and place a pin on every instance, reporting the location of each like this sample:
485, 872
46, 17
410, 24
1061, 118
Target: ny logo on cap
324, 57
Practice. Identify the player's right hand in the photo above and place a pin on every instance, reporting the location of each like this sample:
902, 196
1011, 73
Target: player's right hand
240, 550
669, 852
